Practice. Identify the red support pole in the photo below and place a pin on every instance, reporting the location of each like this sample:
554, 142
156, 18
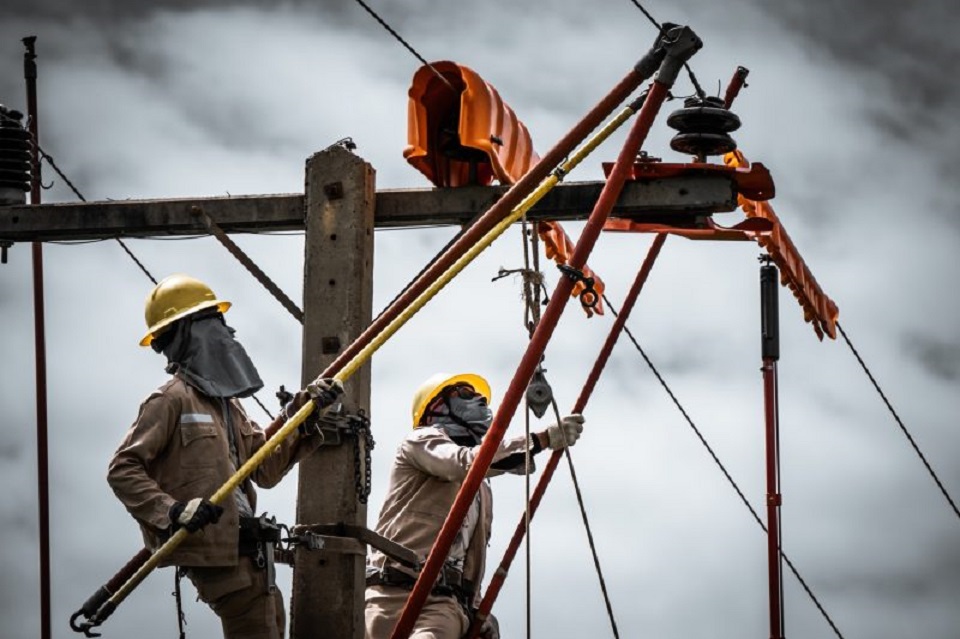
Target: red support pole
500, 576
773, 497
770, 347
40, 348
680, 43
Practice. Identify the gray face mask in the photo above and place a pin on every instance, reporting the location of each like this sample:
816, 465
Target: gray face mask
465, 418
206, 354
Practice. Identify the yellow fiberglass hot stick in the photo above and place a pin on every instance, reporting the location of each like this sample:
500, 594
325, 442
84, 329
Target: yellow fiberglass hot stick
361, 357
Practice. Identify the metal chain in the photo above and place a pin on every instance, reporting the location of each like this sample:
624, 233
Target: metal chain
359, 426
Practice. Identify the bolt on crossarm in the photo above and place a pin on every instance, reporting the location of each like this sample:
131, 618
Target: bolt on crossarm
678, 44
500, 575
103, 602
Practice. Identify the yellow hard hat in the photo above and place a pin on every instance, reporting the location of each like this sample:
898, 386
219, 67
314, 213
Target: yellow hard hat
174, 298
429, 390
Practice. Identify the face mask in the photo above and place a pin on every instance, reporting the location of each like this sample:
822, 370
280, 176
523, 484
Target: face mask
206, 354
465, 420
474, 411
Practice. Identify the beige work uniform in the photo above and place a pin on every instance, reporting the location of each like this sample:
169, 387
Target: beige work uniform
427, 473
176, 450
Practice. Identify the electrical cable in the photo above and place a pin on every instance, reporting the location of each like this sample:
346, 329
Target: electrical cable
409, 48
900, 423
723, 469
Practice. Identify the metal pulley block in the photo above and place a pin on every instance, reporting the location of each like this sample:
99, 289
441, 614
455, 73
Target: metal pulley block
703, 126
539, 393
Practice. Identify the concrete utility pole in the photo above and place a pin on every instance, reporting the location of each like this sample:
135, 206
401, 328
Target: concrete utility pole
328, 584
339, 210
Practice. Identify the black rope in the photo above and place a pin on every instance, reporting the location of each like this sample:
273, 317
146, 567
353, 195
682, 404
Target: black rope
723, 469
686, 65
138, 262
900, 423
409, 48
49, 160
586, 525
181, 616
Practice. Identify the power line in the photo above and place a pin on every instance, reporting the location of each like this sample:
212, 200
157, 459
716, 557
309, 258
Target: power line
900, 423
408, 47
723, 469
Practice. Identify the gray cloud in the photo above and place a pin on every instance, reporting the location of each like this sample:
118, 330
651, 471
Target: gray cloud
939, 358
231, 97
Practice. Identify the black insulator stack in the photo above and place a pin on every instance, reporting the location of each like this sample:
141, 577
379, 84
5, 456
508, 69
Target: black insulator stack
703, 126
14, 158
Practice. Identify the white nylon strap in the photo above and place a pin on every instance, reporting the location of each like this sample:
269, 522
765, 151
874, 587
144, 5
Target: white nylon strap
189, 511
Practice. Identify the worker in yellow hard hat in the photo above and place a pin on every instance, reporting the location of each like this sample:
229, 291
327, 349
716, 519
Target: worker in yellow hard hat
450, 416
189, 438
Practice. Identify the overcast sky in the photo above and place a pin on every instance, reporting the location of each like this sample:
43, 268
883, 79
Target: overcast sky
852, 106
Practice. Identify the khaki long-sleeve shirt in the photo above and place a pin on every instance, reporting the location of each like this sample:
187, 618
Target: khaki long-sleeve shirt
176, 450
427, 473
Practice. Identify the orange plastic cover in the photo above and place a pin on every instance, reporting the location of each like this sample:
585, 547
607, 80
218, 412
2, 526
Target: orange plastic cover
818, 309
465, 135
469, 135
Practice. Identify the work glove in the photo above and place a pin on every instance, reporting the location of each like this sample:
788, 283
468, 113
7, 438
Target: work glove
325, 390
193, 515
566, 433
312, 423
490, 628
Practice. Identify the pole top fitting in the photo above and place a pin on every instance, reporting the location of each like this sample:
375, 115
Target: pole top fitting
679, 43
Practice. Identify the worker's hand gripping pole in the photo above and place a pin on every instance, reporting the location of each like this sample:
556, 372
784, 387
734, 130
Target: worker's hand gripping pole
521, 197
677, 45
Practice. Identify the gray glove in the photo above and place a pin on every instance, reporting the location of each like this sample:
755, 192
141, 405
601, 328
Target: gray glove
566, 433
325, 391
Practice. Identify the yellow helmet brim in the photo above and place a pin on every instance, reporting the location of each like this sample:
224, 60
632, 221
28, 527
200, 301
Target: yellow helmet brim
222, 306
429, 390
